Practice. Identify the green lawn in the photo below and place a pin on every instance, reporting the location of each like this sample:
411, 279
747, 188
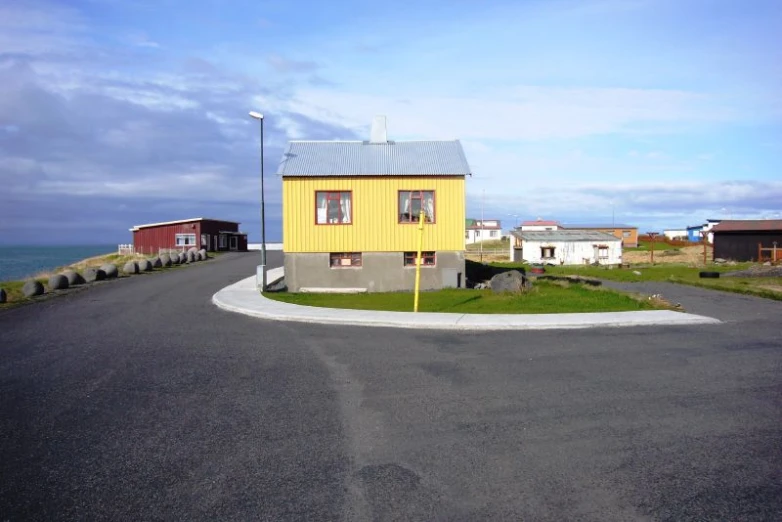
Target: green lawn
545, 297
674, 273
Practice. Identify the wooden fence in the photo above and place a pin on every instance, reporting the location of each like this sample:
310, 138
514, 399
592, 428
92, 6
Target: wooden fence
773, 254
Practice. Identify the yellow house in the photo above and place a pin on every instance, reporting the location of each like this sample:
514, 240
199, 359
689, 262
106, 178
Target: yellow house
351, 212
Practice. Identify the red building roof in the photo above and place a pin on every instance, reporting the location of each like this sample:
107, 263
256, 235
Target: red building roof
749, 225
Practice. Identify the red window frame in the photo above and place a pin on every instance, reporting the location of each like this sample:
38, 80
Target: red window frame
413, 220
427, 258
334, 195
336, 259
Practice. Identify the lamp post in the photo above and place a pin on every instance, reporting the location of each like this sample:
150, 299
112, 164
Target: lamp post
259, 116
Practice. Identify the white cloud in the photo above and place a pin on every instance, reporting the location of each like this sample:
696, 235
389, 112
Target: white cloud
521, 113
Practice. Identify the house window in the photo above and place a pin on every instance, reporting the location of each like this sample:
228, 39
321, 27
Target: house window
427, 258
493, 233
223, 241
412, 201
547, 252
602, 252
626, 233
333, 208
185, 240
344, 259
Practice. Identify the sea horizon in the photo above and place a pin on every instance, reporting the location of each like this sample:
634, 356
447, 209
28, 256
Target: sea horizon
19, 262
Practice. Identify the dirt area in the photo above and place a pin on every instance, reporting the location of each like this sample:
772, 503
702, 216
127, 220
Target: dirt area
691, 255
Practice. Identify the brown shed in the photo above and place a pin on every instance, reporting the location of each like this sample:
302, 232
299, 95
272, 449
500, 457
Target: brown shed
741, 240
210, 234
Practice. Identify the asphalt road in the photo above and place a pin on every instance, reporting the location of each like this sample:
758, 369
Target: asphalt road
140, 400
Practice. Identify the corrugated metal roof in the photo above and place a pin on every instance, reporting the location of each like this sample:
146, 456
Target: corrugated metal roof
362, 158
577, 226
539, 222
179, 221
749, 225
563, 235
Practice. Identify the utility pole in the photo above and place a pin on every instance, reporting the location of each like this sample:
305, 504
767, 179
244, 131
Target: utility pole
704, 236
652, 235
483, 200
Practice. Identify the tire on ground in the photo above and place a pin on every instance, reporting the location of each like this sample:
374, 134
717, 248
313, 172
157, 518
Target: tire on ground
709, 275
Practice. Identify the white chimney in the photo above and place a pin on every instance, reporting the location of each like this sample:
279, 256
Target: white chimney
378, 133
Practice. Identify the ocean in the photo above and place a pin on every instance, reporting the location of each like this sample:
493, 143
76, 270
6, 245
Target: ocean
20, 262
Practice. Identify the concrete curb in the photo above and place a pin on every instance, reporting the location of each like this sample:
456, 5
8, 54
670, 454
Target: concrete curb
242, 297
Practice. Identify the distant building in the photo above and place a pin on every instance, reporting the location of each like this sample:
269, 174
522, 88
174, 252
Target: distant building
675, 234
565, 247
210, 234
741, 240
627, 233
694, 232
539, 224
477, 230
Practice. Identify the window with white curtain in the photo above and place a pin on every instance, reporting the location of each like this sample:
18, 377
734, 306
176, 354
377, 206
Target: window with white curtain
185, 239
333, 208
411, 202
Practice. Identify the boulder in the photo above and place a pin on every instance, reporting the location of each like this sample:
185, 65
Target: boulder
110, 270
182, 257
204, 255
94, 274
32, 288
720, 261
511, 281
131, 267
200, 256
57, 282
165, 260
190, 257
144, 265
157, 263
73, 277
192, 249
3, 296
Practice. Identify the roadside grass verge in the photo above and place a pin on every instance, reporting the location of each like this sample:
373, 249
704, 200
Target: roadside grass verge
768, 287
13, 289
545, 297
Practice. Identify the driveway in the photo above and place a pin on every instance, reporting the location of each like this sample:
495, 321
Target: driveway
141, 400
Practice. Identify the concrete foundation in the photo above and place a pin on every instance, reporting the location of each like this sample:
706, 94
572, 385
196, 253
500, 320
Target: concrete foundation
380, 272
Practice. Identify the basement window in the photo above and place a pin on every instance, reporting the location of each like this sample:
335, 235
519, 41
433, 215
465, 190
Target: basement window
345, 259
427, 258
185, 240
547, 252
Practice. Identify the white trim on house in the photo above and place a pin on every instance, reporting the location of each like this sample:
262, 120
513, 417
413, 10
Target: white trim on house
177, 222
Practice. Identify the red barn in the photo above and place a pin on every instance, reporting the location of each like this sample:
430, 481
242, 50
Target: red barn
210, 234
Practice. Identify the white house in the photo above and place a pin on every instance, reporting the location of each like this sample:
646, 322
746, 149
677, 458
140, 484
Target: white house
540, 224
675, 233
477, 230
565, 247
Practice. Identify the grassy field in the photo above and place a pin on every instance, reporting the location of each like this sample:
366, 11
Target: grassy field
769, 287
493, 244
546, 297
645, 246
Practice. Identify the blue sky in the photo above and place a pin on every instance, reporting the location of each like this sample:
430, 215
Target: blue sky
661, 112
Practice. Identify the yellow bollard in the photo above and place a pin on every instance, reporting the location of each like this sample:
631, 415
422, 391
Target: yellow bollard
418, 259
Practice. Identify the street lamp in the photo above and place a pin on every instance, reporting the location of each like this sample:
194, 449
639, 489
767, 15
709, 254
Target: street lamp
259, 116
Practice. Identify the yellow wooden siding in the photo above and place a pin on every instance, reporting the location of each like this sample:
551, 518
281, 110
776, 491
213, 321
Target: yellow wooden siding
375, 226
